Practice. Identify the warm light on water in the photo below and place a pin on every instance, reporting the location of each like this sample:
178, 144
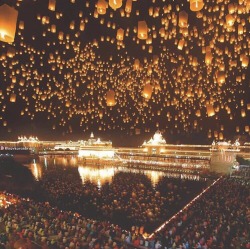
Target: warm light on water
100, 172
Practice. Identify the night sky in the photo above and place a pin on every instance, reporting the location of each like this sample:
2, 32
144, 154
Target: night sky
63, 62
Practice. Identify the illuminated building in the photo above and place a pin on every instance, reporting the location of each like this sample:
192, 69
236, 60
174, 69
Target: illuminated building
96, 148
156, 145
223, 156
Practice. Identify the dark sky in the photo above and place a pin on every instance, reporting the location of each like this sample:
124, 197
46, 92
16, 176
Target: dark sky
61, 84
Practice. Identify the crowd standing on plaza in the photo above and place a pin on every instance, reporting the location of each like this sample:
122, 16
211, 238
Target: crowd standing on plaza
129, 199
218, 219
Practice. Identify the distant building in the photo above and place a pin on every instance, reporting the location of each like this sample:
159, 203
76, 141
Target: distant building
156, 145
223, 156
96, 148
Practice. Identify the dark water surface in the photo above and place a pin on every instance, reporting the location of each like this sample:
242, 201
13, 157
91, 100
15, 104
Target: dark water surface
109, 190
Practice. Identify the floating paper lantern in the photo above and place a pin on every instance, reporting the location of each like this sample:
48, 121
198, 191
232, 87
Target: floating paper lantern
142, 32
245, 61
181, 44
221, 77
11, 52
13, 97
110, 98
115, 4
128, 6
208, 58
137, 64
52, 5
221, 137
230, 20
120, 34
196, 5
147, 91
210, 110
101, 7
183, 19
243, 113
8, 19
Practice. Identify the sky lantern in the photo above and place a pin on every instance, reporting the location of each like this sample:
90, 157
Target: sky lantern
183, 19
101, 7
196, 5
137, 64
120, 34
13, 97
142, 31
245, 61
128, 6
52, 5
208, 58
8, 20
210, 110
230, 20
181, 44
115, 4
147, 91
243, 113
221, 77
221, 137
110, 98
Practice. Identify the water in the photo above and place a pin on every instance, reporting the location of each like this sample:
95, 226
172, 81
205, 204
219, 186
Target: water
105, 189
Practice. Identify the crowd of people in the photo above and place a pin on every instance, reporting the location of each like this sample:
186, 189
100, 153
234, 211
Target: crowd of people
218, 219
130, 199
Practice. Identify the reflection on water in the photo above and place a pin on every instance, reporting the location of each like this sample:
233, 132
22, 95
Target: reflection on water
36, 169
98, 173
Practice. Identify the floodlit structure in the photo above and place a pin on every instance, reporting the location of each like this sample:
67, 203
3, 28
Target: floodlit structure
96, 148
156, 144
223, 156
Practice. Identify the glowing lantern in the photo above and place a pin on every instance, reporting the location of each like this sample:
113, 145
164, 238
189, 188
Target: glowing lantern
21, 24
198, 113
128, 7
196, 5
208, 58
243, 113
245, 61
181, 44
120, 34
137, 64
247, 128
221, 77
147, 91
142, 32
60, 35
110, 98
237, 129
13, 97
101, 7
115, 4
52, 5
248, 106
221, 137
230, 20
68, 103
210, 110
11, 52
8, 19
183, 19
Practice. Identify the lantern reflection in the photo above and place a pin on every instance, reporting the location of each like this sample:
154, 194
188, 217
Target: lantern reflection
96, 175
36, 170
